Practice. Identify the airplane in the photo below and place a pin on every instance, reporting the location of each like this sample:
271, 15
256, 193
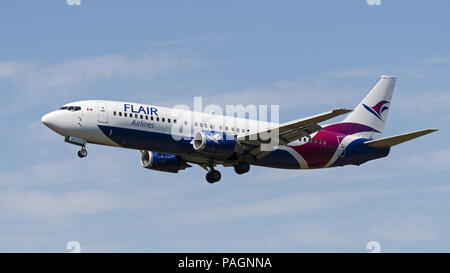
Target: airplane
212, 139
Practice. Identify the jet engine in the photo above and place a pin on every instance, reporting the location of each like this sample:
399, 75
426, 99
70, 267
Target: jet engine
162, 162
219, 144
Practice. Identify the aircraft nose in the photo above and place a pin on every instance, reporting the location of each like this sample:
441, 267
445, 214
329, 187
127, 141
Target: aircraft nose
46, 119
49, 120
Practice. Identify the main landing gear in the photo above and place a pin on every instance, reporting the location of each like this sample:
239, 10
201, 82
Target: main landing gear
83, 152
242, 167
212, 176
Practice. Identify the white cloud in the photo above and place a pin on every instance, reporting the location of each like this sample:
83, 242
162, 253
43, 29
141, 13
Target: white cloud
437, 60
13, 68
317, 236
432, 161
41, 204
31, 83
405, 229
424, 103
301, 203
168, 43
363, 72
312, 97
67, 73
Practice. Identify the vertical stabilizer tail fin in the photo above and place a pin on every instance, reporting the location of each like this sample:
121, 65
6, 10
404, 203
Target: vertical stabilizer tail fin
373, 110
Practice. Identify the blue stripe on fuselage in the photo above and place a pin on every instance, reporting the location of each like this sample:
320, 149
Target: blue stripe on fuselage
164, 143
357, 153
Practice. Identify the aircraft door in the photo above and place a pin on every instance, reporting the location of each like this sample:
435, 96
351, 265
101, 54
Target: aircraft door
102, 113
341, 146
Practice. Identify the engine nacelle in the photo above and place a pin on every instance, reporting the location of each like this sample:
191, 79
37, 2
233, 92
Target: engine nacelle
161, 162
214, 143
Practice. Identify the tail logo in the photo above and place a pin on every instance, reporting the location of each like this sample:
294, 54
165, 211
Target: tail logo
377, 109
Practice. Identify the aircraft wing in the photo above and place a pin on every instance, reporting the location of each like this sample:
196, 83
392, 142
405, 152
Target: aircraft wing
394, 140
287, 132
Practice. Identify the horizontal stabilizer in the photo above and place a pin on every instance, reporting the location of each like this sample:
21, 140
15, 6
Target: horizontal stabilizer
394, 140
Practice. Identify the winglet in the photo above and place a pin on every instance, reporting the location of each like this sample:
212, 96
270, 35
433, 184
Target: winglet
394, 140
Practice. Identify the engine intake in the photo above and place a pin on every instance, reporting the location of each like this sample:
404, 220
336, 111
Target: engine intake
214, 143
162, 162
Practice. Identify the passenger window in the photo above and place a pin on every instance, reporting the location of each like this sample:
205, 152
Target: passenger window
124, 114
220, 127
120, 114
195, 123
324, 142
314, 141
151, 117
210, 126
320, 142
185, 122
232, 129
168, 120
114, 113
226, 128
174, 121
136, 115
237, 130
142, 117
201, 125
157, 118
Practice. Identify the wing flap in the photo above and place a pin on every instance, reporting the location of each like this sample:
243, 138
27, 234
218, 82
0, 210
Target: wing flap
295, 134
394, 140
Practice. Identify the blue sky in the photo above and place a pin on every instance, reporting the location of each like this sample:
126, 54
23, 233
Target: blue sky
306, 56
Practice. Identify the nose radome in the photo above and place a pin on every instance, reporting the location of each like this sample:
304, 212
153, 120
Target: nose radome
61, 122
46, 119
50, 120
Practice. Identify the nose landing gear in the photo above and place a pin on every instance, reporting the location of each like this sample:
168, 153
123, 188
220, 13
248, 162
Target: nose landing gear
79, 142
83, 152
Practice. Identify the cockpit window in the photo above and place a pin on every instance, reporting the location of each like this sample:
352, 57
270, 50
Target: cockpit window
71, 108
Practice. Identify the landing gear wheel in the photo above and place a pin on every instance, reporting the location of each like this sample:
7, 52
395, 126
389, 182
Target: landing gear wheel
82, 153
213, 176
242, 167
209, 178
216, 175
